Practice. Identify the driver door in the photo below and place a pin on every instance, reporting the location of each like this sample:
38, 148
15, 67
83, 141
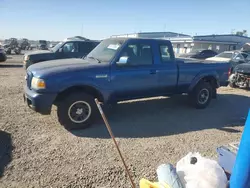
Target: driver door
138, 77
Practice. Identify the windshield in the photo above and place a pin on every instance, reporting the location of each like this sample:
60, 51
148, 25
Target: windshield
228, 55
106, 50
56, 47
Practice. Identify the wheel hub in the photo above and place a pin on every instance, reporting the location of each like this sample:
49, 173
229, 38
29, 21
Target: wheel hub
79, 112
203, 96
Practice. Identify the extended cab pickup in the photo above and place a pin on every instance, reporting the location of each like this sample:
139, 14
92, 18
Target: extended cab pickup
119, 69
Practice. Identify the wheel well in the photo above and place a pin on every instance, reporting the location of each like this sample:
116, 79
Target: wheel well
87, 89
212, 80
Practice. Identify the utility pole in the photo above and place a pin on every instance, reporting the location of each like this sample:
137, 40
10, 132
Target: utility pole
81, 29
164, 29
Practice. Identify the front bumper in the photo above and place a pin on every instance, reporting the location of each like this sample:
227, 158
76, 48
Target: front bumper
39, 102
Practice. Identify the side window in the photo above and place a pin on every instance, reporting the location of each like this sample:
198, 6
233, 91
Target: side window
70, 47
86, 47
244, 55
208, 52
202, 53
165, 53
138, 54
239, 56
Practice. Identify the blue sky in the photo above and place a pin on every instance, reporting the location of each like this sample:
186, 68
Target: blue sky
98, 19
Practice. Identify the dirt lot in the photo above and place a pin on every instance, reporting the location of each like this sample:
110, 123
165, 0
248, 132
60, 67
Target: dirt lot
35, 151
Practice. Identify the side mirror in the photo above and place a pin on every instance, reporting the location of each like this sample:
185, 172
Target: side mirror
60, 50
122, 61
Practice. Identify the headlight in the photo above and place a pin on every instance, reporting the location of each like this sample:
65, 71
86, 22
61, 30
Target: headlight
26, 58
38, 83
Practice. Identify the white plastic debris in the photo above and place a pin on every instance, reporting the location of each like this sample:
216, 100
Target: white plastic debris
196, 171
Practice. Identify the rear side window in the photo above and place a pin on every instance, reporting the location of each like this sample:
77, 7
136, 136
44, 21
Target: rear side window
165, 53
86, 47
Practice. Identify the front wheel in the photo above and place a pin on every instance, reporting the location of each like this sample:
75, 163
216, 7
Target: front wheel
201, 95
77, 111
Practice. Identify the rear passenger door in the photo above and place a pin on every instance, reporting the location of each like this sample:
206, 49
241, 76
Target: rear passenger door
167, 71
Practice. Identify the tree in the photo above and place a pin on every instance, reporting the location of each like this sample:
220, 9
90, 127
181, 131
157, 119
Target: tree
242, 33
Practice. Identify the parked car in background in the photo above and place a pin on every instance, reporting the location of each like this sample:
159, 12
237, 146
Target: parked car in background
2, 55
42, 45
235, 57
199, 54
24, 44
11, 45
241, 76
51, 45
119, 69
69, 48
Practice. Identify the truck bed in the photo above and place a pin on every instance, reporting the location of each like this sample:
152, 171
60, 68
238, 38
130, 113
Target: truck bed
191, 60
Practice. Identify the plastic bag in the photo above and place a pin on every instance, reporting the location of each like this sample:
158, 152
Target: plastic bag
196, 171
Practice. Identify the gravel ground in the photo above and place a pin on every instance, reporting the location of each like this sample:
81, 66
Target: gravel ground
35, 151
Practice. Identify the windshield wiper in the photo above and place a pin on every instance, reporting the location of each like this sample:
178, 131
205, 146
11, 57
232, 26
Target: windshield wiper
91, 57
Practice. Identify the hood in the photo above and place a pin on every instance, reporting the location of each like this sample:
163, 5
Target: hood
220, 59
52, 67
243, 68
39, 52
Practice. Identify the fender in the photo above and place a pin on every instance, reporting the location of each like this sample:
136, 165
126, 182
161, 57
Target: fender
202, 75
79, 83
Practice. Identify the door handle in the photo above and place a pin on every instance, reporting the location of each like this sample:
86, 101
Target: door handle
152, 71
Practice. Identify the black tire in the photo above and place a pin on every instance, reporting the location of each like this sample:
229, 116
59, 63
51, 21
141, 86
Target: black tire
17, 51
201, 95
67, 109
8, 52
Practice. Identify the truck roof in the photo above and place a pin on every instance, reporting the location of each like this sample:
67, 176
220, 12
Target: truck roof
78, 38
137, 38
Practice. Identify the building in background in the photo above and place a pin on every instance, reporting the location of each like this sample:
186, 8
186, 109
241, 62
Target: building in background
185, 43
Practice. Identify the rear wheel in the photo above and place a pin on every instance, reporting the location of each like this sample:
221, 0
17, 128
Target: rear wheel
77, 111
201, 95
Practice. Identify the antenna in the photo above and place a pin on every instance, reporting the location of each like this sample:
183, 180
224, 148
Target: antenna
82, 29
164, 29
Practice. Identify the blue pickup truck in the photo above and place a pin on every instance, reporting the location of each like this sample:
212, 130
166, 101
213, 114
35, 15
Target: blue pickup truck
119, 69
